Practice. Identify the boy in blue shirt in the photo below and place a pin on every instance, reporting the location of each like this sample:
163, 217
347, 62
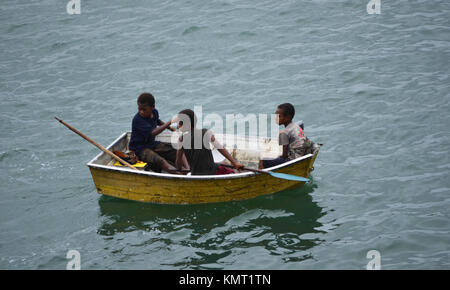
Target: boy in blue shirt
145, 127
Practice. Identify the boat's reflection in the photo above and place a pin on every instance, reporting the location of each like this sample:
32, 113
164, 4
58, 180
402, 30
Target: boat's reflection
277, 222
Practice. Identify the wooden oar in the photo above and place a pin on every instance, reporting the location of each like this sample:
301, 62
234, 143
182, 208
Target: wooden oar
274, 174
97, 145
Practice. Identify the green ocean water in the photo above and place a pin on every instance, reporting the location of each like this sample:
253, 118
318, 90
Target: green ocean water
374, 89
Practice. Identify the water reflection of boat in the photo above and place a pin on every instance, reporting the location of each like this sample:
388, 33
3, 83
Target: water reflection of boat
275, 222
180, 189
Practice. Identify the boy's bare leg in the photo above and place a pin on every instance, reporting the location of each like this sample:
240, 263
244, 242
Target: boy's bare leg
185, 162
157, 162
168, 168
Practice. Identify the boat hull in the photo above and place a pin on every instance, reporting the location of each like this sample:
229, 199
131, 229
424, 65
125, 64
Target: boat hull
169, 189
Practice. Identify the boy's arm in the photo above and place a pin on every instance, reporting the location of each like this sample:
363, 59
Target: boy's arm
228, 156
283, 139
162, 123
225, 153
161, 128
285, 151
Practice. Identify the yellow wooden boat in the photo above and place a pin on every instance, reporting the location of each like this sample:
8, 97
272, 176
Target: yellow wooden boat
165, 188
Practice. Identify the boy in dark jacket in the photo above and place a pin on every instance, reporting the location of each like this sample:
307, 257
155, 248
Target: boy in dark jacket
194, 144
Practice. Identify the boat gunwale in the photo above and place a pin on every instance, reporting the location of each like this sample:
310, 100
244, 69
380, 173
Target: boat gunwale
90, 164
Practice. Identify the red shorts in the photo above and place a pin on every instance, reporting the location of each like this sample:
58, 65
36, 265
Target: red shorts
224, 170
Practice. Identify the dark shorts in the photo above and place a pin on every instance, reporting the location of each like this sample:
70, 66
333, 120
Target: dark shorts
273, 162
154, 158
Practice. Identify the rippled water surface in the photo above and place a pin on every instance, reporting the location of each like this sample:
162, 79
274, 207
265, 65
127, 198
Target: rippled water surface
374, 89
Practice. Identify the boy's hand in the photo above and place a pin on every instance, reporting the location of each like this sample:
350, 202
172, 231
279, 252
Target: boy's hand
238, 166
171, 129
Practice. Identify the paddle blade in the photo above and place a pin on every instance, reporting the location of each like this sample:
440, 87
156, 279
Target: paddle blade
288, 176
